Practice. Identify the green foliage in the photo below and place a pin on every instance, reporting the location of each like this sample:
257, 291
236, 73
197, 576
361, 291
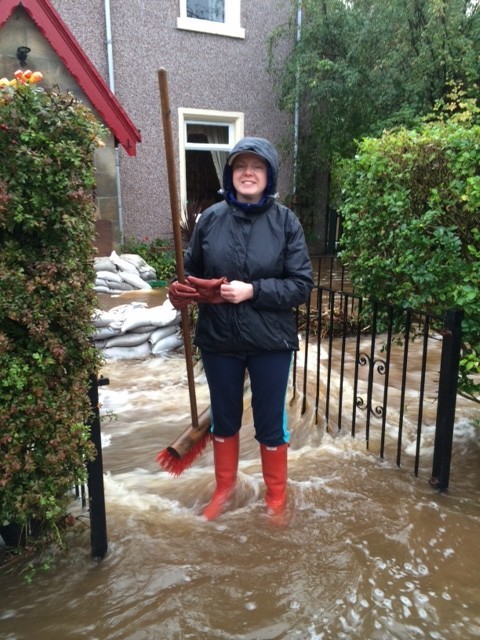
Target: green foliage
411, 222
47, 142
157, 253
364, 66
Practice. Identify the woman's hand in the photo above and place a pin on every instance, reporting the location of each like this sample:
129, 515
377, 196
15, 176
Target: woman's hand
236, 291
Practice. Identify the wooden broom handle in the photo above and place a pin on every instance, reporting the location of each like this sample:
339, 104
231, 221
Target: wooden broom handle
177, 233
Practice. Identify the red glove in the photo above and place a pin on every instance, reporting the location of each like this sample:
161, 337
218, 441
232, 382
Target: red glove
208, 290
181, 295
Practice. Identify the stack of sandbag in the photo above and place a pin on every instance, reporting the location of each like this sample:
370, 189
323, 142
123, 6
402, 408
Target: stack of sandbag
118, 273
135, 331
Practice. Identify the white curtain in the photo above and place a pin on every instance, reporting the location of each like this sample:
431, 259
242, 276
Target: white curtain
215, 136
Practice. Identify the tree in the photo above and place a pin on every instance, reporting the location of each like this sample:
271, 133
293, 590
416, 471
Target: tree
364, 66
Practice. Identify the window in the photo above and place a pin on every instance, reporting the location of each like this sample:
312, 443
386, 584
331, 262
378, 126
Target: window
220, 17
213, 10
205, 138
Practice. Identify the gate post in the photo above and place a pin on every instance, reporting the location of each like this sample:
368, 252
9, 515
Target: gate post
96, 492
447, 397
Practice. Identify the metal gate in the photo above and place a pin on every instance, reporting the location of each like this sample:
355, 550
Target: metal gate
354, 347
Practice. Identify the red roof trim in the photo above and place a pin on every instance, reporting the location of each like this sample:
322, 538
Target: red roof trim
73, 57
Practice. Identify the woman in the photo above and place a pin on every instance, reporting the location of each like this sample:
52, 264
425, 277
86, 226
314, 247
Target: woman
248, 268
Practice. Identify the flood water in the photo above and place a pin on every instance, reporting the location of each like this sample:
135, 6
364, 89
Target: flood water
368, 552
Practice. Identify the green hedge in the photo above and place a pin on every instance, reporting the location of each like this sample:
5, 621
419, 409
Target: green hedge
47, 143
411, 223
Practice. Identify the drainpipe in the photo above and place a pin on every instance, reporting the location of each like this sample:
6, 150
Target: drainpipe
111, 84
296, 107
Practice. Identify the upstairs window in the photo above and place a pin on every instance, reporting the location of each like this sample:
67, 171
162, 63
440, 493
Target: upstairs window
213, 10
219, 17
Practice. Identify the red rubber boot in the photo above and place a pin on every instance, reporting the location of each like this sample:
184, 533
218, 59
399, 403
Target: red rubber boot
225, 455
274, 467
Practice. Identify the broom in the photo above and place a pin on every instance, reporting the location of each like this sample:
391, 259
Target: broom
192, 442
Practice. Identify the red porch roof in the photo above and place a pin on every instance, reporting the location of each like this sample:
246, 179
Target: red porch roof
73, 57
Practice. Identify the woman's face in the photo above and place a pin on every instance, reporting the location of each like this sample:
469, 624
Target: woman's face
249, 177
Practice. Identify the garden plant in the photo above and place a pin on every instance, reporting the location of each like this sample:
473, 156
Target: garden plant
47, 144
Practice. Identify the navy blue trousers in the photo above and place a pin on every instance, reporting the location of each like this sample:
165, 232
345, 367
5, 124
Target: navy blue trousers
268, 374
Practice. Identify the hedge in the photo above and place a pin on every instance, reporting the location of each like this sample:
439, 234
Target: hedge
411, 222
47, 144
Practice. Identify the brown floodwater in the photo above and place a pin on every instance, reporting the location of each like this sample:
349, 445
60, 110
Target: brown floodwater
368, 552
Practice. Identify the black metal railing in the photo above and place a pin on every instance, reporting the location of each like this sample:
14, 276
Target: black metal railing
354, 347
96, 492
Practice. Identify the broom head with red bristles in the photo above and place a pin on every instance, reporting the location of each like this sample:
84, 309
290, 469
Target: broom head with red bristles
182, 453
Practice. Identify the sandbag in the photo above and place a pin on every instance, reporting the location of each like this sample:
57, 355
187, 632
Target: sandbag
109, 286
104, 264
108, 275
145, 271
122, 286
123, 265
127, 340
163, 332
148, 274
137, 261
121, 311
102, 289
102, 318
134, 280
167, 344
103, 333
159, 316
148, 329
140, 352
117, 314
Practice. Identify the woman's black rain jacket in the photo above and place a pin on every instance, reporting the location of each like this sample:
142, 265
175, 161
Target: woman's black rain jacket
260, 244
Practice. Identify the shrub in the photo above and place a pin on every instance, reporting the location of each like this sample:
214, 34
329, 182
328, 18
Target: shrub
411, 223
47, 142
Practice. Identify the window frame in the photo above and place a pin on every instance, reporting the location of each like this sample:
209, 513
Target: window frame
235, 120
231, 27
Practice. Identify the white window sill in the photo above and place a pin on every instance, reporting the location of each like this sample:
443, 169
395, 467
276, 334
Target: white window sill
206, 26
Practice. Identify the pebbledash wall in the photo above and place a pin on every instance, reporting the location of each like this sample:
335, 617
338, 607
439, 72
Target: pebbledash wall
208, 73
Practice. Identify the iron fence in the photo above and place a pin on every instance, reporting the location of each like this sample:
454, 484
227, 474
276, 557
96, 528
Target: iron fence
383, 372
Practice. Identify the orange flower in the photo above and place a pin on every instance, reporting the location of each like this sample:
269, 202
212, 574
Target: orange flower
35, 77
22, 77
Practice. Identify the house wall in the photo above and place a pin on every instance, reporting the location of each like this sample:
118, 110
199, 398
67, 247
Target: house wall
205, 72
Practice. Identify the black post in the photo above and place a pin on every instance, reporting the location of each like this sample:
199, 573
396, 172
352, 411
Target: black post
96, 493
332, 231
447, 398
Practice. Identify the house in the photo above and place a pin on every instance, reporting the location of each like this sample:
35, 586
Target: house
108, 53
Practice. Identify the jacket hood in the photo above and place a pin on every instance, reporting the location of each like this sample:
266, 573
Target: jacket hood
265, 150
